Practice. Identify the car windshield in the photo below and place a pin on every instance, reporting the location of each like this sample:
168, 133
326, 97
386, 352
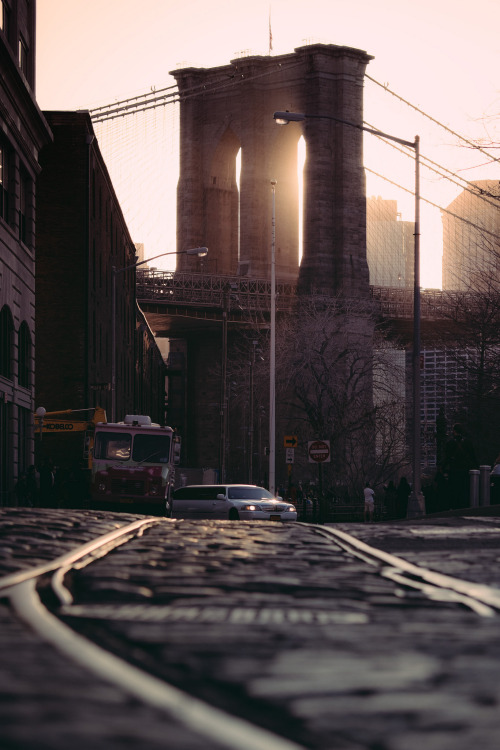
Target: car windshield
249, 493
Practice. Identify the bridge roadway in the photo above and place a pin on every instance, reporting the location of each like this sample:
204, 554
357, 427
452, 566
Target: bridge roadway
288, 637
180, 301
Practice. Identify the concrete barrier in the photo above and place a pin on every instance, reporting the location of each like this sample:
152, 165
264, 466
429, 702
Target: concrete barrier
484, 485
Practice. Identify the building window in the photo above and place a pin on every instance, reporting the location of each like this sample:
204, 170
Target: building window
4, 18
4, 183
24, 366
6, 342
23, 205
23, 56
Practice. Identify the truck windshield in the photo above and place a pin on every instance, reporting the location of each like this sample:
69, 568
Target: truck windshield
152, 448
113, 445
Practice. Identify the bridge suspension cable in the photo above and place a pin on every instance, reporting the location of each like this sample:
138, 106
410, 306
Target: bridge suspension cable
432, 119
142, 156
170, 95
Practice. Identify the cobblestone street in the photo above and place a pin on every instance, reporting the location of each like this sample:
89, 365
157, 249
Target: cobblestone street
272, 623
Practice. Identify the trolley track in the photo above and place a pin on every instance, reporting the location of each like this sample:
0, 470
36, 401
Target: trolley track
218, 726
484, 600
86, 552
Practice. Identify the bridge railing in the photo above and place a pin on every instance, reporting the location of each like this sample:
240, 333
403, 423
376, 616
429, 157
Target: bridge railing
210, 290
397, 302
214, 290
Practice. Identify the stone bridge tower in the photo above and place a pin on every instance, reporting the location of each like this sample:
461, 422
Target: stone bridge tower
229, 108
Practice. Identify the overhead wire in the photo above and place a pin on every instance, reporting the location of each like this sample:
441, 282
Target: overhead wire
444, 172
432, 119
124, 139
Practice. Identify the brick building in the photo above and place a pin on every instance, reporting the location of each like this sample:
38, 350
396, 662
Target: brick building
23, 131
81, 236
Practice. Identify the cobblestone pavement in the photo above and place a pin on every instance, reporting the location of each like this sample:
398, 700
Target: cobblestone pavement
462, 546
31, 536
271, 622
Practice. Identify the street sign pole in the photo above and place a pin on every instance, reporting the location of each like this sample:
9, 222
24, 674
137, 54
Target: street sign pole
321, 500
319, 453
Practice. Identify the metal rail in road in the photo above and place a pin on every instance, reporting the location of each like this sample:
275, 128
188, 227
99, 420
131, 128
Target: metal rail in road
484, 600
215, 725
220, 728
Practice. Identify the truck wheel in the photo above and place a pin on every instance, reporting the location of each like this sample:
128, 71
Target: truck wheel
234, 515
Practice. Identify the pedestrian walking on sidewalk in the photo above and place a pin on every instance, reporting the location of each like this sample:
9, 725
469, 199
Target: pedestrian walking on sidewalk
369, 502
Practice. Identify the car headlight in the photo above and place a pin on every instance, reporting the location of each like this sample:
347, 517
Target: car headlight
101, 487
154, 489
291, 509
249, 507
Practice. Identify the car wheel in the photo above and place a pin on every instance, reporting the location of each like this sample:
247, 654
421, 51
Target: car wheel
234, 515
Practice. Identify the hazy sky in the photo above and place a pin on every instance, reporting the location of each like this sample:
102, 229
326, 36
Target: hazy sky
441, 55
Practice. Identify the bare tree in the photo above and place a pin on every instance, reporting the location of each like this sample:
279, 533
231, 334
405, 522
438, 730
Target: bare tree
476, 346
474, 325
327, 369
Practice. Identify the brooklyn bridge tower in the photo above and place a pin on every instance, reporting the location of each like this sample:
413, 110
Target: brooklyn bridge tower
228, 110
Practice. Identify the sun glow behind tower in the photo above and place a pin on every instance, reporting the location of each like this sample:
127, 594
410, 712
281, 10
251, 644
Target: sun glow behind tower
301, 162
142, 154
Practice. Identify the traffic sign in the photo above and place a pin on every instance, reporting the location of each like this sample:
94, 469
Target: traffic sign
319, 451
290, 441
290, 455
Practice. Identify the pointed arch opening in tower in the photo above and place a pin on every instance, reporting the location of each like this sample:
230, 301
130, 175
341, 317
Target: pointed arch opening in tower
238, 179
301, 161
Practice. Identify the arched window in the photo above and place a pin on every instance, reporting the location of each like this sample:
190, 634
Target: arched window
6, 342
24, 371
4, 182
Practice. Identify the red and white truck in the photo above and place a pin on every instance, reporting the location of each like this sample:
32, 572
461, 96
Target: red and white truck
133, 465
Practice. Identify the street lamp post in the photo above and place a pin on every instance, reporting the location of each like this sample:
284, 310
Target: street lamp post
40, 413
201, 252
272, 353
251, 417
223, 397
416, 500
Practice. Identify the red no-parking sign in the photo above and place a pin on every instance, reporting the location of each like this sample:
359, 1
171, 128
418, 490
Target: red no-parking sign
319, 451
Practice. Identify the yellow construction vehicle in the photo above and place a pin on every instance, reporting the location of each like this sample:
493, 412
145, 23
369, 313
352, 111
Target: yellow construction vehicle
69, 421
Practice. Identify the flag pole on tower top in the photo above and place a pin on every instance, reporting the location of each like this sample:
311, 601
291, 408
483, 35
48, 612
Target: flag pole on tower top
270, 33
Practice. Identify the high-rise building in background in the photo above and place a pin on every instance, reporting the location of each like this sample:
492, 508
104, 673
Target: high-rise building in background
139, 251
443, 384
471, 236
389, 244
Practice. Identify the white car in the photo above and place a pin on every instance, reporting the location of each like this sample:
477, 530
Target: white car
245, 502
